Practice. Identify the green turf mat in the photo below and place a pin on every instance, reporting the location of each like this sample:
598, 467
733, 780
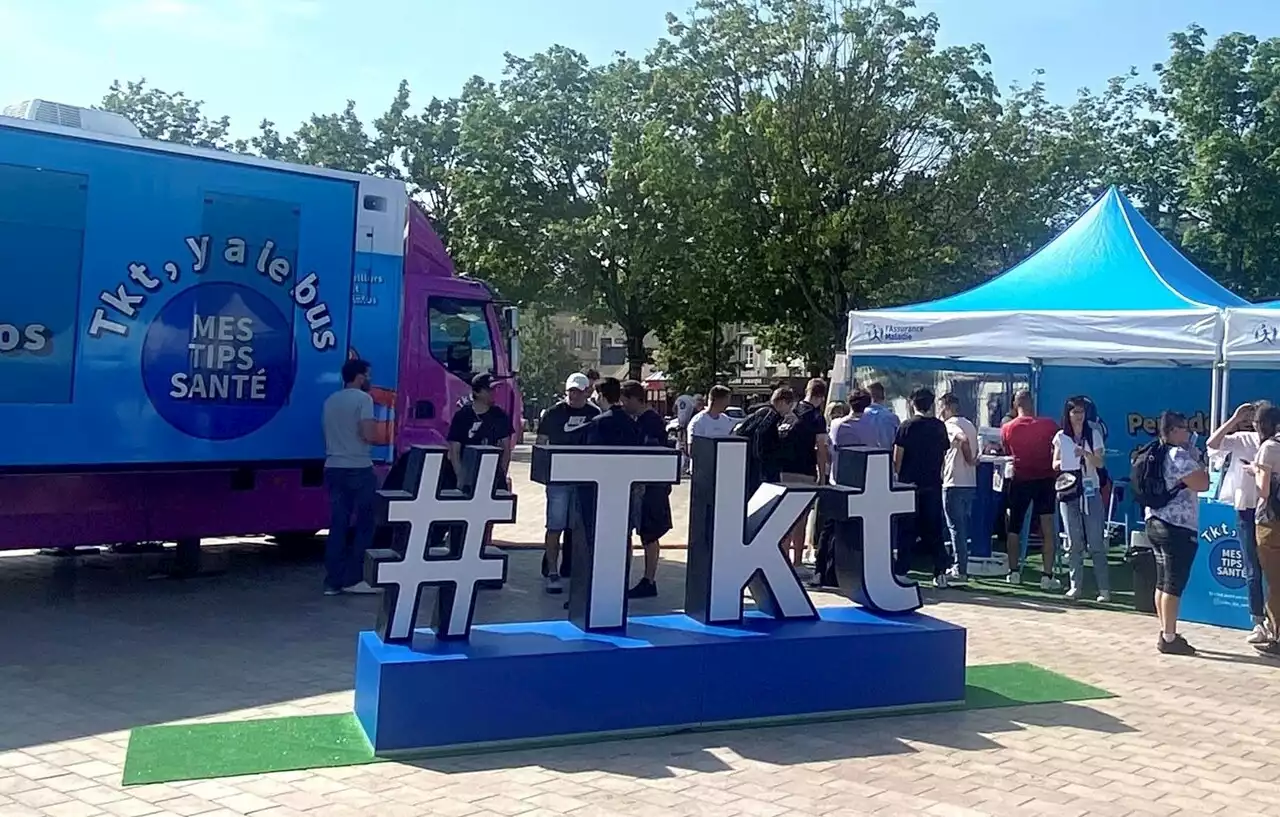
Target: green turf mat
995, 685
163, 754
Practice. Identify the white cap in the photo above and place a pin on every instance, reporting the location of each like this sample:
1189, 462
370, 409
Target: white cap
578, 381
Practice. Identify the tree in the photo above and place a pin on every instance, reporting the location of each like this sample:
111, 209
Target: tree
429, 154
553, 194
851, 147
694, 358
544, 365
172, 117
1222, 102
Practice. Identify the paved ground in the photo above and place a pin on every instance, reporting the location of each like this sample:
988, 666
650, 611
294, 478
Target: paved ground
90, 650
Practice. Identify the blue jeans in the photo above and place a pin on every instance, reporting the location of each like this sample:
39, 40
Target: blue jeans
352, 492
958, 505
1248, 533
559, 497
1085, 524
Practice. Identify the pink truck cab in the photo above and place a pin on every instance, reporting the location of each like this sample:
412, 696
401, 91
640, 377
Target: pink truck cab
180, 316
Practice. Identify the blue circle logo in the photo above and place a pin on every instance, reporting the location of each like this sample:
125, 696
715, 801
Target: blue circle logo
1226, 562
218, 361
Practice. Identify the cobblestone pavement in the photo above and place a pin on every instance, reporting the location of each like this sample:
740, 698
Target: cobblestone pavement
93, 649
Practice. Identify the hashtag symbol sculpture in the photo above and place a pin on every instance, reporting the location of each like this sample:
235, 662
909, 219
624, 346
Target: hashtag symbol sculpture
412, 575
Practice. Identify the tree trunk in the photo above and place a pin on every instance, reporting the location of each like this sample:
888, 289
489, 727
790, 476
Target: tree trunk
637, 356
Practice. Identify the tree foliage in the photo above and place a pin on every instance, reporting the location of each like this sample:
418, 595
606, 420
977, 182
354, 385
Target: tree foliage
173, 117
776, 163
544, 365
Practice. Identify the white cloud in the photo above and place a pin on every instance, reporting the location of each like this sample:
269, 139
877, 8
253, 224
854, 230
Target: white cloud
242, 24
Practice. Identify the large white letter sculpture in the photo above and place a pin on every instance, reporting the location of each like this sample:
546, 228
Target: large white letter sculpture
730, 551
410, 572
605, 480
864, 564
733, 541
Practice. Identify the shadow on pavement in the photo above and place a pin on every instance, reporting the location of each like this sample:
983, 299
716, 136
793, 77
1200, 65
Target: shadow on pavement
790, 745
90, 646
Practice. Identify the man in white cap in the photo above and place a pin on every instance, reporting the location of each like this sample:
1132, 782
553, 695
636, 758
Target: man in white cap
563, 424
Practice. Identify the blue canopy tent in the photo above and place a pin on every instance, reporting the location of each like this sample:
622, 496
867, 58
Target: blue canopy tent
1108, 308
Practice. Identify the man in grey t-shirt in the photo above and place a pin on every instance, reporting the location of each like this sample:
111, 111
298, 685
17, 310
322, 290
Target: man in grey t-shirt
350, 432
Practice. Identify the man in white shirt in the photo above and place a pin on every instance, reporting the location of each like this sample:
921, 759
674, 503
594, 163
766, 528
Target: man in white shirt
712, 421
1237, 439
959, 483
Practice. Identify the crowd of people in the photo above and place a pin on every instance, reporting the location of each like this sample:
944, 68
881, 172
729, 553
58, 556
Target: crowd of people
1052, 469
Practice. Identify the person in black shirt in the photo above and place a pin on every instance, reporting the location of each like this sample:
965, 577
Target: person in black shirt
806, 457
480, 422
650, 504
764, 446
565, 423
919, 451
613, 426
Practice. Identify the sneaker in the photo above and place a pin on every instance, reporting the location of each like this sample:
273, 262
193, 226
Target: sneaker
1049, 584
954, 575
1259, 635
362, 589
332, 591
1014, 577
1072, 594
644, 589
553, 584
940, 581
1104, 597
1178, 646
1271, 648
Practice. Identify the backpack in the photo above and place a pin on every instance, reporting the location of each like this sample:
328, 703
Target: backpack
1146, 478
746, 428
793, 439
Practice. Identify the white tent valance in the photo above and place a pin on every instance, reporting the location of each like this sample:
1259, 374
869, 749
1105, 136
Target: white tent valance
1251, 336
1185, 335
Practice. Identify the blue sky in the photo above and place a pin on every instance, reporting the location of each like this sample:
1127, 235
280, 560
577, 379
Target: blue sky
283, 59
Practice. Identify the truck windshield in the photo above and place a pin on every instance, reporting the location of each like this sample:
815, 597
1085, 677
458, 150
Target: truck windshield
459, 336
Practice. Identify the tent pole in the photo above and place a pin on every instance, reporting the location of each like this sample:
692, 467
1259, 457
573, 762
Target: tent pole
1222, 395
1036, 365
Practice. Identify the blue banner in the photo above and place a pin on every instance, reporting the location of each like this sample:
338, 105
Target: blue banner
1217, 592
174, 309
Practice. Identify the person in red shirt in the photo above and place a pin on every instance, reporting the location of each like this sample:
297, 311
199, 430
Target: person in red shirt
1029, 440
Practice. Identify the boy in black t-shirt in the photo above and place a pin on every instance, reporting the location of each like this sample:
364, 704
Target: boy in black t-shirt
919, 451
806, 458
565, 423
480, 422
765, 458
613, 426
651, 504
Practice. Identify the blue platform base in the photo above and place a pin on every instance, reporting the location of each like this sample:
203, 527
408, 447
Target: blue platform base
548, 681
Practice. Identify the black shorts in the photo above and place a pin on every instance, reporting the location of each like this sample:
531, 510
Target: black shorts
1175, 551
1037, 495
